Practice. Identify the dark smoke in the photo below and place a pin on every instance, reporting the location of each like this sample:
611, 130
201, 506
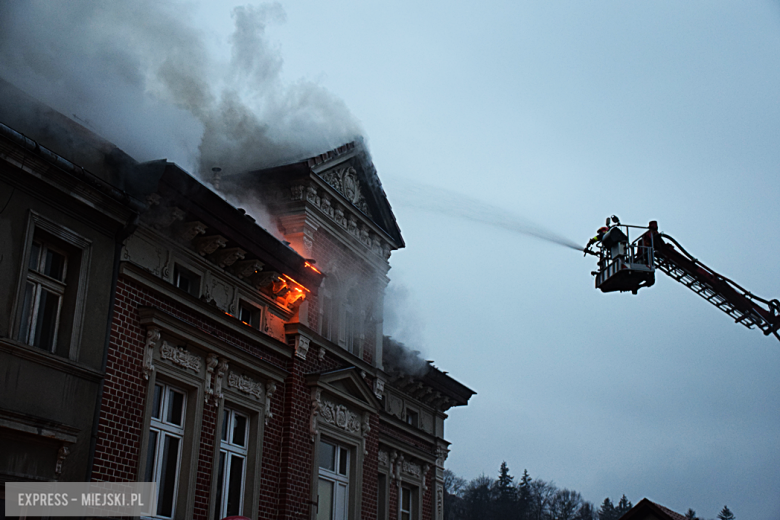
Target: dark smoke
441, 200
141, 75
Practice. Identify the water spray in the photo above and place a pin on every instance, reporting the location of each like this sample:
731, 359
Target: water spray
440, 200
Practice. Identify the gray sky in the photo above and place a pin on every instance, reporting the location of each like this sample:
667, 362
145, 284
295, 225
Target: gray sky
562, 113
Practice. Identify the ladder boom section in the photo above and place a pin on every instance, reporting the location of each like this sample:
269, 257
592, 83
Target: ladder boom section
743, 306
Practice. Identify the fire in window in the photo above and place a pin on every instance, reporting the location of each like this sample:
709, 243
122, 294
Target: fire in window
166, 435
43, 295
249, 314
231, 470
333, 484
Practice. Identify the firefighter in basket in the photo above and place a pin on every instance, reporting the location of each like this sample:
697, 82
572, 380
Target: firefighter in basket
595, 240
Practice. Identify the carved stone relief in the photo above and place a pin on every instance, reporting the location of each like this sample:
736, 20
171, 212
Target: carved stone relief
228, 257
269, 393
207, 245
301, 346
384, 458
180, 356
246, 385
211, 363
218, 381
379, 387
340, 416
152, 338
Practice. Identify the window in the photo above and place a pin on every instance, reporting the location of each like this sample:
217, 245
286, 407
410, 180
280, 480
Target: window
249, 314
329, 309
231, 471
166, 435
333, 484
381, 499
408, 506
412, 418
352, 325
186, 280
43, 295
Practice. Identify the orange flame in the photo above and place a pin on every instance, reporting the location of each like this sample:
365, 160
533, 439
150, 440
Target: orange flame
296, 283
307, 264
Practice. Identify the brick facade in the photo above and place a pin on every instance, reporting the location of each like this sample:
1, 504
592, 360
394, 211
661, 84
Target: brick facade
177, 321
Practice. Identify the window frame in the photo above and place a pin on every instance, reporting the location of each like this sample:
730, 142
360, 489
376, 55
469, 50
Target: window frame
165, 428
231, 450
254, 410
414, 502
354, 445
71, 307
192, 386
196, 275
335, 476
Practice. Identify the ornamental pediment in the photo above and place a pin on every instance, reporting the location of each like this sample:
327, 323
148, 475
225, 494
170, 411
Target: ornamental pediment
347, 385
345, 180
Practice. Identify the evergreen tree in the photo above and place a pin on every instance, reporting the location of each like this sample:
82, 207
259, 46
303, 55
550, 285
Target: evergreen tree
524, 495
586, 512
691, 515
505, 494
623, 507
726, 514
607, 510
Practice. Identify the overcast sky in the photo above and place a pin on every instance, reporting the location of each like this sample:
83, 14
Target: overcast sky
562, 113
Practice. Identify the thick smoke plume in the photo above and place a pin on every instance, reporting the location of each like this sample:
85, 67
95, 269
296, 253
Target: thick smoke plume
141, 75
441, 200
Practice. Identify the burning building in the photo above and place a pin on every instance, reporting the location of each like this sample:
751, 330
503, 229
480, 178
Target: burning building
154, 331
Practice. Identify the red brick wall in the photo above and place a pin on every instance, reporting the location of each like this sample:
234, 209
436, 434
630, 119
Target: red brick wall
285, 484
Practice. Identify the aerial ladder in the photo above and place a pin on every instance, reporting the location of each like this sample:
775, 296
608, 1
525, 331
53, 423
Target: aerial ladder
625, 265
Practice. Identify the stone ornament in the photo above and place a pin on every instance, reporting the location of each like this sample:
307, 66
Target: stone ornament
346, 182
316, 405
180, 356
269, 392
246, 384
379, 387
341, 417
301, 346
439, 502
152, 337
189, 230
229, 256
383, 457
207, 245
62, 454
221, 370
411, 468
211, 363
246, 268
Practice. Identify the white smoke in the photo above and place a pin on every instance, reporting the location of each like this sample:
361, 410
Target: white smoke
141, 75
